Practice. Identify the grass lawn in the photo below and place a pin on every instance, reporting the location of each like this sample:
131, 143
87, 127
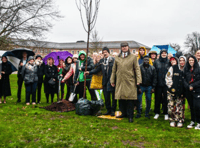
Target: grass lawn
29, 126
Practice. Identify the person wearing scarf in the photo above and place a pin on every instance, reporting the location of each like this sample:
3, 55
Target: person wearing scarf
192, 87
30, 77
125, 77
6, 70
40, 65
175, 95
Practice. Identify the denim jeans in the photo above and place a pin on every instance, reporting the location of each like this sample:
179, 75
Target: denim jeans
147, 91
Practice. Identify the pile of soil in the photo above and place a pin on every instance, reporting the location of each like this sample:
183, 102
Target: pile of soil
61, 106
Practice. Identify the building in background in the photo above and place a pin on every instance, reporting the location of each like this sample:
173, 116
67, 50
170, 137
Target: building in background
43, 47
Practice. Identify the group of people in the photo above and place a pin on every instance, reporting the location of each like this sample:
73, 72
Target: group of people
125, 77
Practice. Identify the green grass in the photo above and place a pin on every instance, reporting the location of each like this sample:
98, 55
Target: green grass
29, 126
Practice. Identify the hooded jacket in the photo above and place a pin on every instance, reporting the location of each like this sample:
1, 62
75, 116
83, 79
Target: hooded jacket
79, 75
177, 61
174, 79
189, 75
140, 58
149, 76
161, 65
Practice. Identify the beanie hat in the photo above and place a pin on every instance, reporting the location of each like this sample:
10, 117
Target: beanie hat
30, 58
75, 56
38, 56
105, 48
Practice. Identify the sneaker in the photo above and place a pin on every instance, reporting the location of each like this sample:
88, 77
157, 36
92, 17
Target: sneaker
156, 116
179, 124
33, 103
191, 125
27, 103
166, 117
172, 124
198, 126
147, 116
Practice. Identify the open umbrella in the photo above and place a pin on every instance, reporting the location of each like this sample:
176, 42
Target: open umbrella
56, 56
12, 60
17, 52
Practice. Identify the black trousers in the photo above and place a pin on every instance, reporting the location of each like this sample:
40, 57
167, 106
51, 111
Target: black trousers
81, 90
52, 97
127, 107
194, 103
19, 83
161, 95
31, 89
68, 92
107, 96
39, 87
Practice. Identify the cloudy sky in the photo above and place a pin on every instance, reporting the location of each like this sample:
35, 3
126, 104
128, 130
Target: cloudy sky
150, 22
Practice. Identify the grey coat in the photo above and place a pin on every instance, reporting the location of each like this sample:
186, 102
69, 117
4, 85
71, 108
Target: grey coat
29, 73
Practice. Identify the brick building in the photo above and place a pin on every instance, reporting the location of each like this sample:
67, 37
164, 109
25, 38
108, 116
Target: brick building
43, 47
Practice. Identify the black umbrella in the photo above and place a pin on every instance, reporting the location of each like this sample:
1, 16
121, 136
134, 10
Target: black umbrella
19, 51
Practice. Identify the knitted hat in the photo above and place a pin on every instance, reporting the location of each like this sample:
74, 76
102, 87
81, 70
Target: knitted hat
30, 58
75, 56
38, 56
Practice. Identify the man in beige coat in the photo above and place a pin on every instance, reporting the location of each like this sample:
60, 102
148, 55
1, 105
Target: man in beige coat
126, 75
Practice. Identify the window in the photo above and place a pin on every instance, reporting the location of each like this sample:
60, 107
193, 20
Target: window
45, 51
41, 51
111, 51
36, 50
49, 51
77, 52
134, 51
72, 52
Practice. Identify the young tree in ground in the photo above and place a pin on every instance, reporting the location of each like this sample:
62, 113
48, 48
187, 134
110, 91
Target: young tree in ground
96, 42
192, 42
90, 8
26, 19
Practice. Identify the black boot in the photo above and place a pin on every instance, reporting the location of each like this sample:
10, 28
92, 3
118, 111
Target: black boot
112, 114
130, 120
107, 113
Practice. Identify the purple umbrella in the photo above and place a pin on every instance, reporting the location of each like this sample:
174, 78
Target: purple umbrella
56, 56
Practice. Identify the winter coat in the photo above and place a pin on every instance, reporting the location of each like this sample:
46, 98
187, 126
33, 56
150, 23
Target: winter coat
29, 73
40, 73
174, 81
141, 58
125, 75
149, 76
50, 72
161, 65
106, 72
19, 74
5, 80
78, 73
196, 76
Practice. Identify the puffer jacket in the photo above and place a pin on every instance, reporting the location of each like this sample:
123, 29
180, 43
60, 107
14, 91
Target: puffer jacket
149, 76
161, 65
30, 73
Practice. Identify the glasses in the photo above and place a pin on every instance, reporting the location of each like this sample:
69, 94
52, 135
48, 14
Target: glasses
124, 46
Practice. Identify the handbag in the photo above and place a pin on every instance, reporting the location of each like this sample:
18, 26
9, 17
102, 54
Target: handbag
96, 82
51, 82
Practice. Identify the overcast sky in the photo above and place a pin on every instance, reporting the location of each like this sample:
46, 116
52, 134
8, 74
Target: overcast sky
150, 22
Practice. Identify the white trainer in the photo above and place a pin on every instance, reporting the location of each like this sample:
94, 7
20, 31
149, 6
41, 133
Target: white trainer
179, 124
166, 117
191, 125
156, 116
197, 127
172, 124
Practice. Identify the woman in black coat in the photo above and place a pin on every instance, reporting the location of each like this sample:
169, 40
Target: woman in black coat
6, 70
192, 86
50, 81
40, 66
